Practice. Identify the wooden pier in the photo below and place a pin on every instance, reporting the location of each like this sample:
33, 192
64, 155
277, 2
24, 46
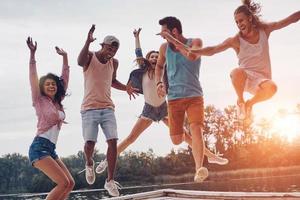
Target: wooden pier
171, 194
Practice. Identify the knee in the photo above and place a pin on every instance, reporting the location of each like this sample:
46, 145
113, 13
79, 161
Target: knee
273, 88
177, 139
237, 72
71, 184
270, 88
64, 183
196, 129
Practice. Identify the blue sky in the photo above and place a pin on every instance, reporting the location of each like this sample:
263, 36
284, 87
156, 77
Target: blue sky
65, 23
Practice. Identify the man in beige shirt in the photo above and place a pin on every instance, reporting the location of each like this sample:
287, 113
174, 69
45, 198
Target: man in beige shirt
100, 70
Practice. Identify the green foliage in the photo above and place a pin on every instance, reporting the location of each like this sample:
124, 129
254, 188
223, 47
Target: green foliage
245, 147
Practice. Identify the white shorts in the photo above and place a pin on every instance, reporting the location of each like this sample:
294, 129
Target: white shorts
253, 81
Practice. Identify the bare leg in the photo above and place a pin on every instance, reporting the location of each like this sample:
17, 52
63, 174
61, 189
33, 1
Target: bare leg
111, 156
88, 152
238, 79
70, 178
188, 140
53, 170
178, 139
197, 144
266, 90
139, 127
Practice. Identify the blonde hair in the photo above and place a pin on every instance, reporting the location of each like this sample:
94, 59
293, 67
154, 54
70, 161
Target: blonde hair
252, 9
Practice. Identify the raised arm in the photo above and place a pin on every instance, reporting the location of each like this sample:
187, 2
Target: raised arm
33, 78
65, 68
293, 18
136, 34
138, 49
159, 71
85, 55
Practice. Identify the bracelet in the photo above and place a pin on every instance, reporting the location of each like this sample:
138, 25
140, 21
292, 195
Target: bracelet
160, 82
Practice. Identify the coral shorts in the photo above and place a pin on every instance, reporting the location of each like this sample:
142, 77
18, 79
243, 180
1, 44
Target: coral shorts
192, 106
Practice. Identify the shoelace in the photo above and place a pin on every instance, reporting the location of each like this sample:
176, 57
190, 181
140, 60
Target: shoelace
85, 168
117, 185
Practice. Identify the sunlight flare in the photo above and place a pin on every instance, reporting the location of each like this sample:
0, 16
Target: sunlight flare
287, 127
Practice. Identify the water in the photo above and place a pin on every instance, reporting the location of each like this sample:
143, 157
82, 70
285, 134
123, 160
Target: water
265, 184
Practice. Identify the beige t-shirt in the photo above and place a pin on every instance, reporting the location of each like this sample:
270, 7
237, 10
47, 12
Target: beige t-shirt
97, 85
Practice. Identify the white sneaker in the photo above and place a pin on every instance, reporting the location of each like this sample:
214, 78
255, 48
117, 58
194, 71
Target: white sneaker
241, 111
101, 167
218, 160
201, 175
112, 188
90, 174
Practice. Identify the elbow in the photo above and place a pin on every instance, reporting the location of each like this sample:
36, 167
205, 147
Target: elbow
80, 62
193, 57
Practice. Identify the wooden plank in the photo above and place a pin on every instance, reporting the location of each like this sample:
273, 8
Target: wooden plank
169, 194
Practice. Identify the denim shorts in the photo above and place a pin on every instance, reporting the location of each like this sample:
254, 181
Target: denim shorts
155, 113
91, 119
41, 148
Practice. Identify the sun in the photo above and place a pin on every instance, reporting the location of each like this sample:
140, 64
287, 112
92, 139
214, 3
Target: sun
287, 126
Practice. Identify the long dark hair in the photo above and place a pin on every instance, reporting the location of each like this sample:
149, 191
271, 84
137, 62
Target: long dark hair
250, 8
61, 92
146, 66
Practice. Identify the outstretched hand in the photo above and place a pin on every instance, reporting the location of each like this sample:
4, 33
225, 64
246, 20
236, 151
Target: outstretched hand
60, 51
131, 91
30, 45
166, 35
90, 37
136, 33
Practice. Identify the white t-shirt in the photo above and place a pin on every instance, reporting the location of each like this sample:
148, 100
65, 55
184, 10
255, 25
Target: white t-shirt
149, 90
52, 133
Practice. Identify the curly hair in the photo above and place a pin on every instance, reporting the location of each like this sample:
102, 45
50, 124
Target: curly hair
61, 92
250, 8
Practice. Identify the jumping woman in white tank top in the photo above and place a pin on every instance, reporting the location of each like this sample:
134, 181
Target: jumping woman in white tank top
251, 46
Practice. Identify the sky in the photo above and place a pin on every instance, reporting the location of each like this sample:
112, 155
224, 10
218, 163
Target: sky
65, 23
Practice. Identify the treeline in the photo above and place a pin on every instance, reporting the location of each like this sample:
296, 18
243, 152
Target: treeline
245, 147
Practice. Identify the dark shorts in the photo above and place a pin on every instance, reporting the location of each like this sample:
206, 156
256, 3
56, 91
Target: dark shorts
41, 148
155, 113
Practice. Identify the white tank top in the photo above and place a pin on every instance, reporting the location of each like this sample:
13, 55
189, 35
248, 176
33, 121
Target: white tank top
255, 57
52, 133
149, 90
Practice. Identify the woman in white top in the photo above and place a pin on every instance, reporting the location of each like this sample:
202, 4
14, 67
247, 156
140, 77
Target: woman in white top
252, 48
